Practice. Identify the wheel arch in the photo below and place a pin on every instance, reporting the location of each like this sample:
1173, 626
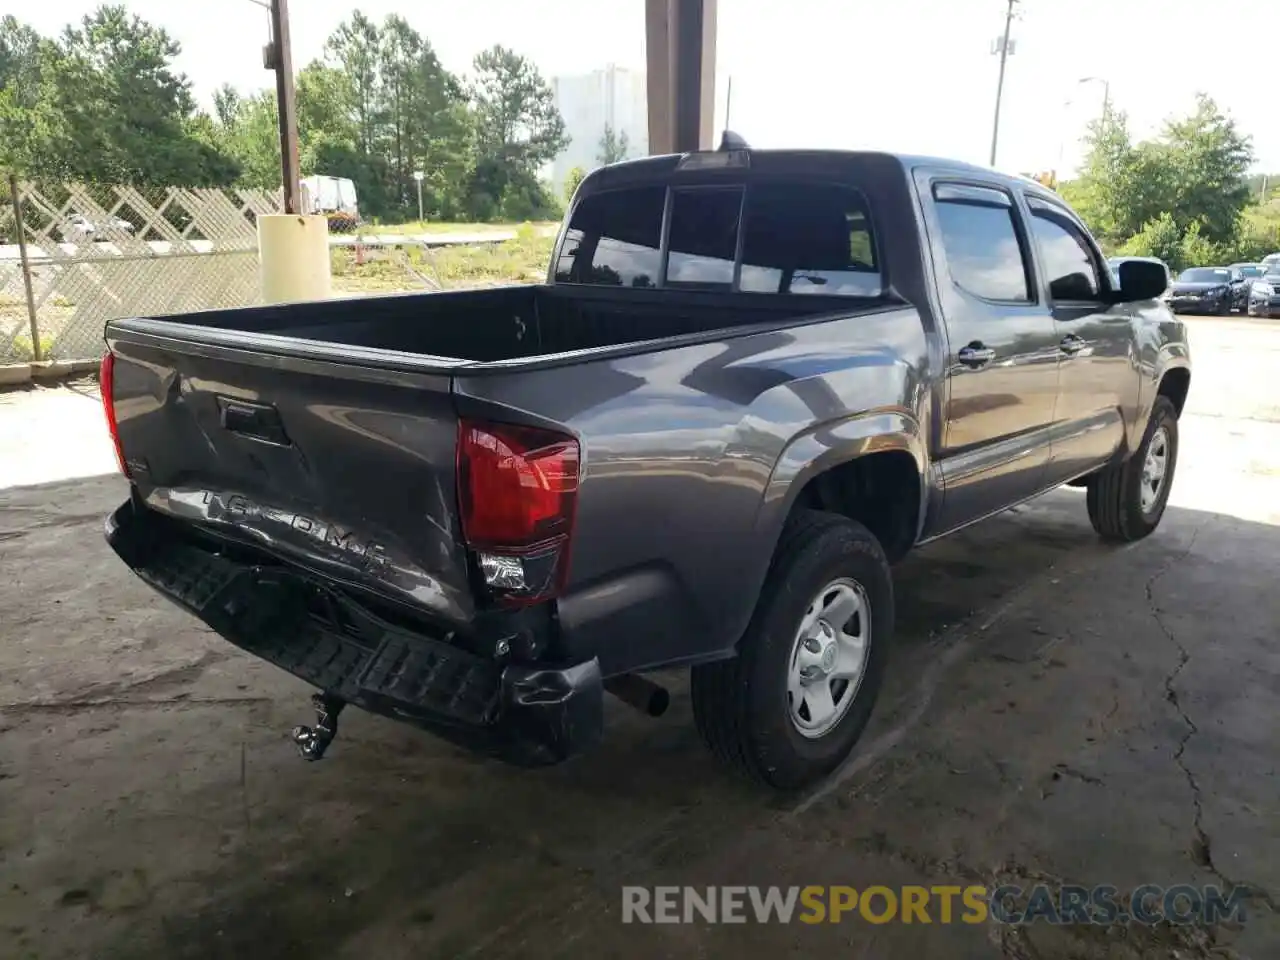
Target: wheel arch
1170, 378
816, 468
1175, 384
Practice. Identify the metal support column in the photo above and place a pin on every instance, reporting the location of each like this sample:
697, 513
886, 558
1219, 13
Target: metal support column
680, 38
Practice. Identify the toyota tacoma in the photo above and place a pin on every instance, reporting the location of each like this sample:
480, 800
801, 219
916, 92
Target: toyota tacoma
751, 383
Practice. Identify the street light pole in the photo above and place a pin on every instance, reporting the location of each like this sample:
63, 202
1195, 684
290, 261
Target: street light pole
1106, 94
1004, 55
278, 56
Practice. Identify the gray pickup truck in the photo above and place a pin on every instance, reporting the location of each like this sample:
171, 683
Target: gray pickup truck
751, 383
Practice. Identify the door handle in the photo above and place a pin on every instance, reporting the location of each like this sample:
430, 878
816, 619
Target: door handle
1071, 344
975, 355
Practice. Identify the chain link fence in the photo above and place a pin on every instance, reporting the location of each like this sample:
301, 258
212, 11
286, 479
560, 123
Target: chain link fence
73, 256
93, 253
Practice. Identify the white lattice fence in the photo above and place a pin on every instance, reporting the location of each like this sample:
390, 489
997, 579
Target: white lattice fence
101, 252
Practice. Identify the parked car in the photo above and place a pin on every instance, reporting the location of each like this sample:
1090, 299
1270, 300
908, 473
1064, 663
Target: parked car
1248, 272
77, 228
1270, 258
1264, 293
1203, 290
1114, 264
751, 382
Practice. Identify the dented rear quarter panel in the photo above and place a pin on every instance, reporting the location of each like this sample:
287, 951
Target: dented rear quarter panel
692, 457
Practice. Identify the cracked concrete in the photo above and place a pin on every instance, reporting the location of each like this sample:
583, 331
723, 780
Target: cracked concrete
1056, 711
1201, 849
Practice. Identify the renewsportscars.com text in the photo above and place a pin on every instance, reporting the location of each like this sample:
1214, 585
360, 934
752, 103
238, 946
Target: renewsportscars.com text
1103, 904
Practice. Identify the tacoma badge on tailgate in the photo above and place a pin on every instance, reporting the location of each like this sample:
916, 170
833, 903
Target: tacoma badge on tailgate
263, 522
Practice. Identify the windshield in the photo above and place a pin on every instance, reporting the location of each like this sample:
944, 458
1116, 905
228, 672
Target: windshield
1206, 275
1251, 269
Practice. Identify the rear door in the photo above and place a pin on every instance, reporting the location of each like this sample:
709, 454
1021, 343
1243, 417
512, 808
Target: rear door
1002, 355
1097, 379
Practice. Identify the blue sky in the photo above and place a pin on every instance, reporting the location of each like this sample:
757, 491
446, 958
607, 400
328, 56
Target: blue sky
914, 75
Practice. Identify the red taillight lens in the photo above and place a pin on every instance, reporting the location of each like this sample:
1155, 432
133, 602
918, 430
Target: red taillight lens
517, 488
517, 485
106, 382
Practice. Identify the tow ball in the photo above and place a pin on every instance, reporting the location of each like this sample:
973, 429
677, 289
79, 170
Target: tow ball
313, 742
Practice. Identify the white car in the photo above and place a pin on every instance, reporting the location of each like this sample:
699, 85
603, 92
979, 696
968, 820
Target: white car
77, 228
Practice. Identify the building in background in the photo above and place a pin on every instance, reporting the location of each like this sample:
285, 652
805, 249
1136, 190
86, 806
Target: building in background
614, 97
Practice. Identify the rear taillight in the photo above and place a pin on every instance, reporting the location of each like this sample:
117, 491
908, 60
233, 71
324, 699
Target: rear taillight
106, 382
517, 488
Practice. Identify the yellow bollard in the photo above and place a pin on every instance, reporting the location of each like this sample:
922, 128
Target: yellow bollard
293, 258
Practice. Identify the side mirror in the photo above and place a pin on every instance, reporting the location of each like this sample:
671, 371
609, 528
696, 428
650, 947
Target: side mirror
1141, 280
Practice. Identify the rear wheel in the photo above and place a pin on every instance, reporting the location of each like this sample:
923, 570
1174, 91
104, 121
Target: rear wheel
1126, 500
790, 707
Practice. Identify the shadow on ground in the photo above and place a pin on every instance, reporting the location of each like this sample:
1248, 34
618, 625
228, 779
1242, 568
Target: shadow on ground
1055, 709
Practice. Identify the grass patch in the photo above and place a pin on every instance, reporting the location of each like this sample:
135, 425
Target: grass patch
521, 260
427, 226
21, 348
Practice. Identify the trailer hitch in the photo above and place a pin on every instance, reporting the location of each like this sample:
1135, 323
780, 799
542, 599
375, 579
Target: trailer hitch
313, 742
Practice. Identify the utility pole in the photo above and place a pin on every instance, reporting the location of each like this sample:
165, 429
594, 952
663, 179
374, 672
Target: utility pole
278, 56
1004, 55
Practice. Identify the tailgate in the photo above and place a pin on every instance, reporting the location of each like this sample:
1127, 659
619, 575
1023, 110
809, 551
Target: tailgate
342, 469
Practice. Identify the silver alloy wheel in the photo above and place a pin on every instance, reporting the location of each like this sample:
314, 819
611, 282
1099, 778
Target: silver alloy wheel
1154, 469
829, 657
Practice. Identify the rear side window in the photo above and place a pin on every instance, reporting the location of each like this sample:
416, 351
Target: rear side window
809, 239
792, 238
1068, 264
704, 237
984, 255
615, 239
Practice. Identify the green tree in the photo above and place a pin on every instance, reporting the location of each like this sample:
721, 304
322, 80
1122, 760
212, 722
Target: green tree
571, 182
518, 129
1200, 251
1189, 181
248, 129
427, 119
1158, 238
613, 146
1207, 160
129, 113
103, 102
32, 132
356, 47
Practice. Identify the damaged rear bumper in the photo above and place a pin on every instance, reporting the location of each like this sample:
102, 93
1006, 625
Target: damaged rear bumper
525, 714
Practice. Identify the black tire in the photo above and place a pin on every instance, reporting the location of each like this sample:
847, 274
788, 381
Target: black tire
1114, 496
741, 705
1224, 307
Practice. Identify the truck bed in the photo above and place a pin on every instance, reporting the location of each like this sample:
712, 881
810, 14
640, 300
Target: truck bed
502, 324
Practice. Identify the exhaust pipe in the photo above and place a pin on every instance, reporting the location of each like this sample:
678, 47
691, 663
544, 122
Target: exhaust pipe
640, 692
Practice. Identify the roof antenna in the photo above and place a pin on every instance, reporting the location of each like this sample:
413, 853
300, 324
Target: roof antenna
730, 140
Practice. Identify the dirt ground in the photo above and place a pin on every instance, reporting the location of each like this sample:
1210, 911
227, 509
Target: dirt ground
1055, 710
